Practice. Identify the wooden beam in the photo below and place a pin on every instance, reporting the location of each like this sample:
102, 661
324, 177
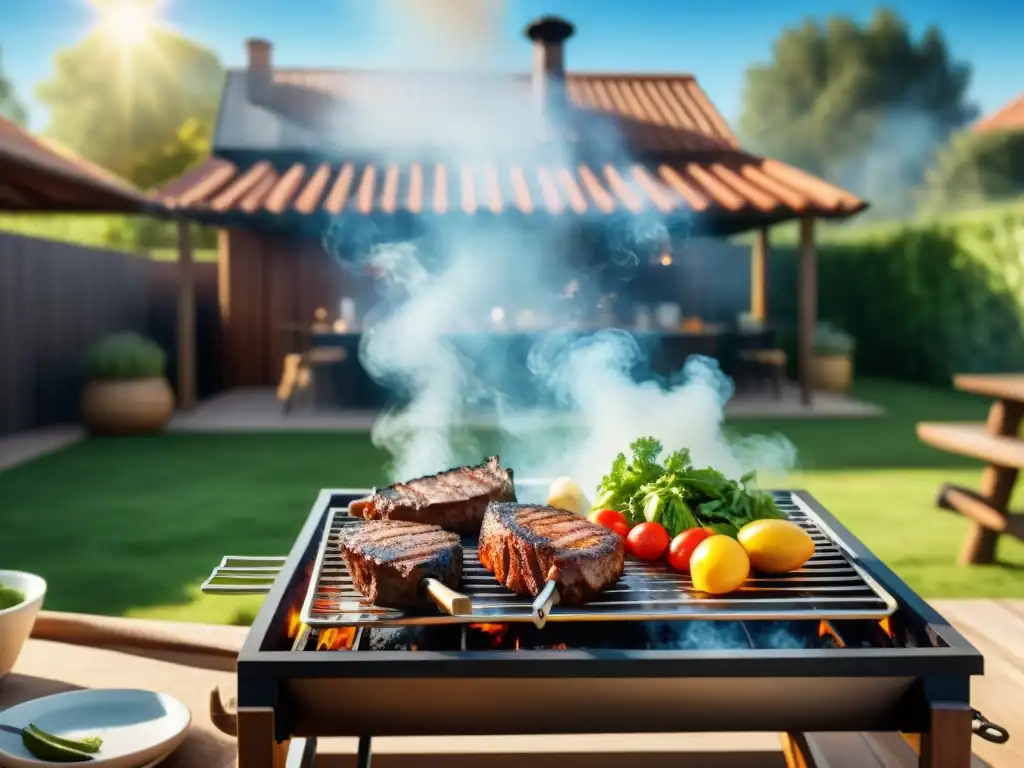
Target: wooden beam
808, 307
759, 284
186, 319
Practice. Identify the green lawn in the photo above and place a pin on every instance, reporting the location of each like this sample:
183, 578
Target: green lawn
133, 526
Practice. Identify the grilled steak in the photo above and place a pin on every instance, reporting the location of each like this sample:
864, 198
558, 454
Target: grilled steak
389, 560
524, 545
455, 500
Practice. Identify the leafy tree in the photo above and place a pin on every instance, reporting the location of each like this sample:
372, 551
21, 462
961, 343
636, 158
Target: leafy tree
976, 168
10, 107
145, 113
862, 106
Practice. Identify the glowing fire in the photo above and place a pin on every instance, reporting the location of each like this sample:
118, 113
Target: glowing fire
294, 624
496, 632
332, 639
886, 626
336, 639
825, 630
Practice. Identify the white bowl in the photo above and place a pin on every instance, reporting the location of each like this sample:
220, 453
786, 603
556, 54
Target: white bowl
16, 623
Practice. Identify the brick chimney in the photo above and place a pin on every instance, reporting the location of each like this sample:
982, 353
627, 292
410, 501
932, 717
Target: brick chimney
259, 71
548, 34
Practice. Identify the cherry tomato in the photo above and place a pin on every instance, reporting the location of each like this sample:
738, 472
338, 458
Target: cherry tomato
610, 519
647, 541
681, 549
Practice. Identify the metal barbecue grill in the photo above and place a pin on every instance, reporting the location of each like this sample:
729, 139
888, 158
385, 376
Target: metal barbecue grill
908, 672
830, 586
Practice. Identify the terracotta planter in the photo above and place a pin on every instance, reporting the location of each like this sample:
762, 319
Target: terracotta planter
831, 373
133, 407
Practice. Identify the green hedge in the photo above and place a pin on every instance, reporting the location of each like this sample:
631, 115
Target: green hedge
924, 299
123, 233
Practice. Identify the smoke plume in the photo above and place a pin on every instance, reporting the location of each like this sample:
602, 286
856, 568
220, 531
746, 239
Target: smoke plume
435, 336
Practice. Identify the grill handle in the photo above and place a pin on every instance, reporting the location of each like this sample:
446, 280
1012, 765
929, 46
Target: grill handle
987, 730
238, 575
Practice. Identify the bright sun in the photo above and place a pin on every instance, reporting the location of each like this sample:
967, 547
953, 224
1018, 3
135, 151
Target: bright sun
127, 23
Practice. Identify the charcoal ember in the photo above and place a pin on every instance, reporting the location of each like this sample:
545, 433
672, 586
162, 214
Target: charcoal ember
428, 638
599, 635
491, 637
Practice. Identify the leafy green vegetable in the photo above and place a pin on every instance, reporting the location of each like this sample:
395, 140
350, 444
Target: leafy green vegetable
679, 496
666, 503
627, 477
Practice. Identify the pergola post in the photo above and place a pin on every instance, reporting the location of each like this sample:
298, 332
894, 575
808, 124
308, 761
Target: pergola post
759, 266
808, 307
186, 319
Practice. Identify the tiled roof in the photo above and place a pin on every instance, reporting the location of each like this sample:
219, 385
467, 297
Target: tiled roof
654, 112
729, 182
683, 155
36, 174
1009, 118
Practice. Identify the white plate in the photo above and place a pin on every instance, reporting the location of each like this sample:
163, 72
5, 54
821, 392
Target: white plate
138, 728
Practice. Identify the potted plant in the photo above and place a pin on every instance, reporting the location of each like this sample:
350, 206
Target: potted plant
126, 392
832, 361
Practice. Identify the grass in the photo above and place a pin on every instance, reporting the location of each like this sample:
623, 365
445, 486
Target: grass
132, 526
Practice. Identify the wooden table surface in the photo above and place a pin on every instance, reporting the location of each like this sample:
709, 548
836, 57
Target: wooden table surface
72, 651
999, 386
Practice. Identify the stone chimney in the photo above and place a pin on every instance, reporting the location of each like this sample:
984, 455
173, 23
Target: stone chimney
548, 35
259, 71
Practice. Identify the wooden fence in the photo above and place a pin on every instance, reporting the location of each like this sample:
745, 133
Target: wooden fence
56, 299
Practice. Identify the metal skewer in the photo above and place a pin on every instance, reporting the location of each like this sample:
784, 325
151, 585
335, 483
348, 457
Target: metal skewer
547, 599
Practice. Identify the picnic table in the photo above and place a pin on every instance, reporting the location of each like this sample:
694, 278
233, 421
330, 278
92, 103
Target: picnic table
995, 442
192, 661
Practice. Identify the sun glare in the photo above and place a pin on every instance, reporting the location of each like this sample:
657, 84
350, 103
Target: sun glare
127, 23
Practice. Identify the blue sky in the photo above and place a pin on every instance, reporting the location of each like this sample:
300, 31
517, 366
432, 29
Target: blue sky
714, 40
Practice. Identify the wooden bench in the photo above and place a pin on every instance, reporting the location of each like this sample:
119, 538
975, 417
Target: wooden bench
973, 441
997, 444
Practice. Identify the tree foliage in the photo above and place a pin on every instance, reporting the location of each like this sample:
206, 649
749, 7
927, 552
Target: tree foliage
862, 106
144, 113
976, 168
10, 106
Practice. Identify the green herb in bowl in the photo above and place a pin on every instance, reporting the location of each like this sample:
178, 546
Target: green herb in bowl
10, 598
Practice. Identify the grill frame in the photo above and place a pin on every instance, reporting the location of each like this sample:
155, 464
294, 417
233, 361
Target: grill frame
646, 592
284, 695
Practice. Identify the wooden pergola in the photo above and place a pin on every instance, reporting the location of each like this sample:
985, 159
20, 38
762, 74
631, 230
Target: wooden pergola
807, 296
37, 176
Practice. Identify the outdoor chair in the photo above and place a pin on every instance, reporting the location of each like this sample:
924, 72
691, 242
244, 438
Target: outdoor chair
764, 365
299, 377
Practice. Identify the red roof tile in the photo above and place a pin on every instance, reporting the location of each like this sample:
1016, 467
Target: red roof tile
658, 113
36, 174
730, 181
1009, 118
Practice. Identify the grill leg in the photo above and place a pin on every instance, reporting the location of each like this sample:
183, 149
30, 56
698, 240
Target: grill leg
257, 747
364, 757
947, 744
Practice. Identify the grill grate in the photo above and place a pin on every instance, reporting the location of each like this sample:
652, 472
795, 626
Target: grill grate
829, 586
